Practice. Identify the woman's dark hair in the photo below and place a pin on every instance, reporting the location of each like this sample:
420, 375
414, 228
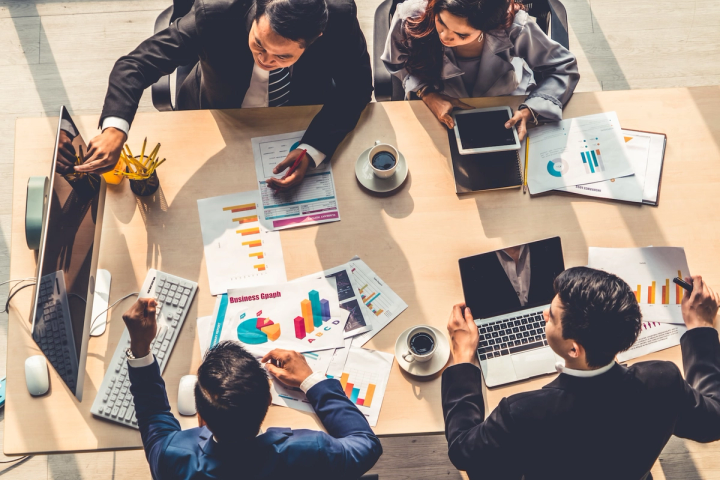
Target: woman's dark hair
425, 52
301, 21
232, 393
601, 313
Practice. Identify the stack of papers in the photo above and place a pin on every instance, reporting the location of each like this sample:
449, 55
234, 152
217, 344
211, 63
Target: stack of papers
649, 272
593, 156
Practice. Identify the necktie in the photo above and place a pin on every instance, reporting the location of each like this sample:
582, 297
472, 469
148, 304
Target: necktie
279, 87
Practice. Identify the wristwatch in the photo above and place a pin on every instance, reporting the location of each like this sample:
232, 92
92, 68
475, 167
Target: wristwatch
129, 354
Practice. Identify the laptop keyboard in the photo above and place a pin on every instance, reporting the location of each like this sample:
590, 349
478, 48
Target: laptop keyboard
511, 335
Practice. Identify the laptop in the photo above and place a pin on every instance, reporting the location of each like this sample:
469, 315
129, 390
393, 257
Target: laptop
507, 291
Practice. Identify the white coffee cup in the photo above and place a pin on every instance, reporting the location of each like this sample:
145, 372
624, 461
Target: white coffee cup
383, 147
411, 355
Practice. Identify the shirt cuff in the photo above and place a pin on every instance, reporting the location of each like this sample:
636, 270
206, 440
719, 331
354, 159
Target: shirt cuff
116, 122
311, 381
141, 362
316, 155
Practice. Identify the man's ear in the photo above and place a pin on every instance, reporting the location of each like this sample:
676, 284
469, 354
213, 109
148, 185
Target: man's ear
577, 350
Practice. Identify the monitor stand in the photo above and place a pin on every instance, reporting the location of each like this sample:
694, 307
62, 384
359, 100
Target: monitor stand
100, 302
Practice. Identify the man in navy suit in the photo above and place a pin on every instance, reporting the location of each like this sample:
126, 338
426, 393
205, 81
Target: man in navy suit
232, 396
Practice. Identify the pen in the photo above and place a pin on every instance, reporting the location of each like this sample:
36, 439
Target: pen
527, 148
295, 165
683, 284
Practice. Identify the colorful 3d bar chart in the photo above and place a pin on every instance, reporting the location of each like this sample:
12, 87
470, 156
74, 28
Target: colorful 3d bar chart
314, 297
253, 243
251, 218
353, 392
651, 294
259, 255
248, 231
260, 267
299, 327
307, 313
241, 208
638, 293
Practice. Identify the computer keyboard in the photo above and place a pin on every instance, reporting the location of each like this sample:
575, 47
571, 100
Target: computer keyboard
174, 296
511, 335
52, 330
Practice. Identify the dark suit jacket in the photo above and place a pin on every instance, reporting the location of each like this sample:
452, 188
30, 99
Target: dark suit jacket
348, 450
612, 426
485, 274
333, 71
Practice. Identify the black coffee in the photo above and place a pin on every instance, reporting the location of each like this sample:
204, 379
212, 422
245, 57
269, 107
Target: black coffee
383, 160
422, 343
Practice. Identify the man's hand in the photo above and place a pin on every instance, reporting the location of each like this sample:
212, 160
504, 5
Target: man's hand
288, 366
442, 105
66, 153
141, 324
464, 335
520, 119
103, 151
700, 308
296, 177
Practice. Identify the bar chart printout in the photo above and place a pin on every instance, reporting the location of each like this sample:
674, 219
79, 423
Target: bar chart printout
364, 380
239, 251
377, 297
649, 272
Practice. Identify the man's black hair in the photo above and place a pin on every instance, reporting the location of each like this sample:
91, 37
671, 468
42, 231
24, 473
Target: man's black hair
601, 313
232, 393
299, 20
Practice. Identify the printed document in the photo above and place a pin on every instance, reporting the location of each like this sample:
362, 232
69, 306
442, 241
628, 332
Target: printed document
313, 201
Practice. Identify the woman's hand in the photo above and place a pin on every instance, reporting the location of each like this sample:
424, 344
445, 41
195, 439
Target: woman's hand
520, 118
442, 105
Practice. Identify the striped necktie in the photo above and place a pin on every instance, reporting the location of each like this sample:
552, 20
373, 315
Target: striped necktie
279, 87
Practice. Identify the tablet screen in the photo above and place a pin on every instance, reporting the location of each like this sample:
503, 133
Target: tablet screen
484, 129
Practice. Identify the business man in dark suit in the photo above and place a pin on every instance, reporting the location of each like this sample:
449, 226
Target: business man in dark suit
232, 396
250, 53
597, 419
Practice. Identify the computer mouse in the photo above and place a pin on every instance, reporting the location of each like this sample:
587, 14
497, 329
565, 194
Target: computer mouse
37, 378
186, 395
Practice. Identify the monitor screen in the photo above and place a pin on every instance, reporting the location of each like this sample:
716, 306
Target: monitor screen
67, 257
511, 279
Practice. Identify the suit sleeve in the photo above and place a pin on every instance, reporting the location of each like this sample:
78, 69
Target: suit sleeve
699, 417
352, 75
555, 70
154, 58
351, 448
152, 410
482, 447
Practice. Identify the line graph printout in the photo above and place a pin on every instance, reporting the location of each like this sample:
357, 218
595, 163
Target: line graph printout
364, 380
239, 251
313, 201
577, 151
376, 297
649, 272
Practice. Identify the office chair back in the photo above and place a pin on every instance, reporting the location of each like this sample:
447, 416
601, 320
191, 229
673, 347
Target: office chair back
550, 16
161, 91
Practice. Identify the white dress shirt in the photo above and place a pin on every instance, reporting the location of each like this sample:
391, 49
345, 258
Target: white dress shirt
255, 97
583, 373
518, 273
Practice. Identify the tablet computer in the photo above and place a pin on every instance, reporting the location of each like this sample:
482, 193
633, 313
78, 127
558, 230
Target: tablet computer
483, 130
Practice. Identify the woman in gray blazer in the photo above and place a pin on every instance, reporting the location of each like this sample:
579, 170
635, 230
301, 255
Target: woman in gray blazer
443, 50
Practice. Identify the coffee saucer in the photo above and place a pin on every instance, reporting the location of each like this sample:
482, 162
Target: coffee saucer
432, 366
366, 177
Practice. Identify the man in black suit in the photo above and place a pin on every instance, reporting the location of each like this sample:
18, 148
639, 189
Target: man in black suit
250, 53
597, 419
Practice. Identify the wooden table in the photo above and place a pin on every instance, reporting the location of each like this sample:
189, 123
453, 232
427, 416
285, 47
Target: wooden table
411, 239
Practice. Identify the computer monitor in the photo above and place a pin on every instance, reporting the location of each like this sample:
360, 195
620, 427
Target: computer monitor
488, 290
67, 258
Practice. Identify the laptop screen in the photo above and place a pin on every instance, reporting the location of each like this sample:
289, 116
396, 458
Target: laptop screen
511, 279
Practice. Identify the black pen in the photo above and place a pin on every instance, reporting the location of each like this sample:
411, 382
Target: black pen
683, 284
